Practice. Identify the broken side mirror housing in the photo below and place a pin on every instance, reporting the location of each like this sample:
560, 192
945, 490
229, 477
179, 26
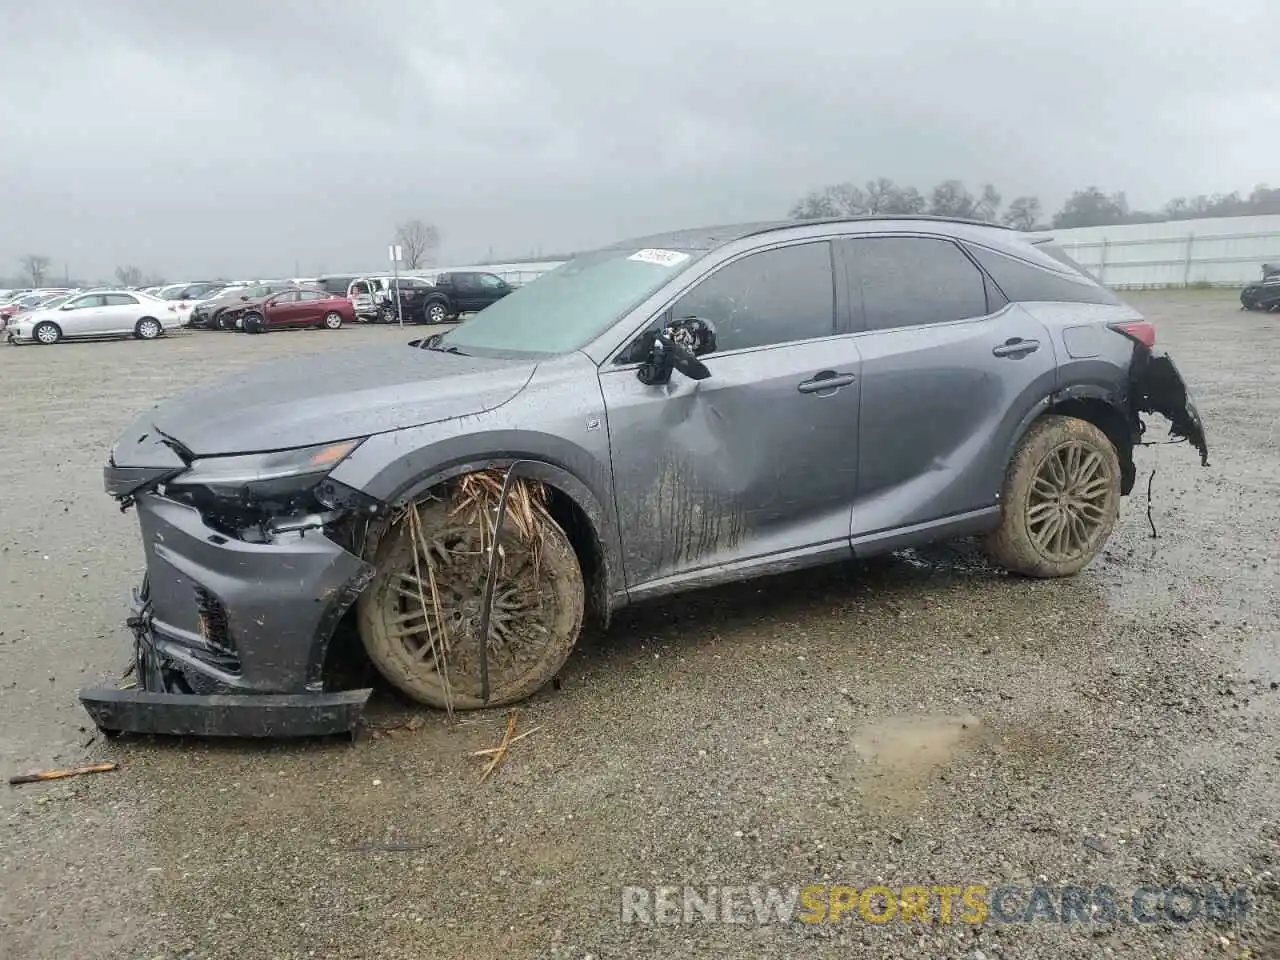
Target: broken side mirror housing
667, 354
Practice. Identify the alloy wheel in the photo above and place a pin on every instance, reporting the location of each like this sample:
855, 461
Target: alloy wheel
1067, 506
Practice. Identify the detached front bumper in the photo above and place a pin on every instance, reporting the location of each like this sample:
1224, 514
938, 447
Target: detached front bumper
231, 636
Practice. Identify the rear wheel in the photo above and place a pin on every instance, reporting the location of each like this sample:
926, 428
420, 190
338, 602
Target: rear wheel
148, 328
1060, 501
47, 332
420, 617
333, 320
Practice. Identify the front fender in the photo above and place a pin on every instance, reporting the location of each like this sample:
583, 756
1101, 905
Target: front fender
396, 468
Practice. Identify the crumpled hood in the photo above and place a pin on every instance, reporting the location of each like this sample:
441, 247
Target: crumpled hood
300, 401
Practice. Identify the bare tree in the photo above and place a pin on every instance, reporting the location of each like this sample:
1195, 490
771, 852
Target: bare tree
35, 266
988, 204
130, 276
419, 241
1023, 213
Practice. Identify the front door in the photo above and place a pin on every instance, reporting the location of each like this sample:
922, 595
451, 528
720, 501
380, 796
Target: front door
83, 315
949, 369
756, 465
281, 310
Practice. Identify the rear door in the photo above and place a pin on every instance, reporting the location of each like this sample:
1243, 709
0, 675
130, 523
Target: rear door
310, 308
120, 313
949, 370
757, 464
467, 293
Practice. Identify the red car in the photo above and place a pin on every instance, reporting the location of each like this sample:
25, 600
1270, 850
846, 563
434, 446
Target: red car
303, 307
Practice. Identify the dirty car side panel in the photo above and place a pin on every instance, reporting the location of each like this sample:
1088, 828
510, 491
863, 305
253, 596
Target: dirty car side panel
572, 441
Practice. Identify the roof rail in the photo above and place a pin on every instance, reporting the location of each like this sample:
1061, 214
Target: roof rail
862, 218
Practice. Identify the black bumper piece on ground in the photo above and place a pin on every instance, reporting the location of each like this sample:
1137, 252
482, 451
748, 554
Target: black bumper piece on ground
220, 715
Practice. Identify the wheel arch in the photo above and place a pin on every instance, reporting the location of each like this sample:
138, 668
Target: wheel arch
1095, 404
572, 504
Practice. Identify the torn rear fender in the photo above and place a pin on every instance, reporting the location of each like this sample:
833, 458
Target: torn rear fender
1157, 387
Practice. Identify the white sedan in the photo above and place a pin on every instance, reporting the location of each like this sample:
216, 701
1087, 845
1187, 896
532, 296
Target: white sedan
102, 313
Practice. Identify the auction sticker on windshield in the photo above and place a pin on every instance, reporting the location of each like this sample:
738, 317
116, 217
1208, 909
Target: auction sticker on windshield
663, 258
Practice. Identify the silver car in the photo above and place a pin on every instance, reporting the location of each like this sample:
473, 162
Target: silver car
100, 313
667, 413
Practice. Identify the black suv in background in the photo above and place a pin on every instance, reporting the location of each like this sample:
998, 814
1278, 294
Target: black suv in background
462, 292
209, 313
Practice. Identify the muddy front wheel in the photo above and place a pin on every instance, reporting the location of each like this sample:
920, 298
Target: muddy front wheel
1061, 499
420, 617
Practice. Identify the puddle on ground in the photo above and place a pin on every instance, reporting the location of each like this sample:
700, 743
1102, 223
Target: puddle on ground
894, 760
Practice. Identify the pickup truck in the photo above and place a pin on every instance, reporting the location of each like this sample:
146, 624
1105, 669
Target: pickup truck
462, 292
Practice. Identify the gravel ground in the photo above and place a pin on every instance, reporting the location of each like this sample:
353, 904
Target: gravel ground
918, 720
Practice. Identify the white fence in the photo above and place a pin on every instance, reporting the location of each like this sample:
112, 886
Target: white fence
1222, 251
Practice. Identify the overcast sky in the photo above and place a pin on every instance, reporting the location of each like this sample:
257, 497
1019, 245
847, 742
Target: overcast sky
229, 137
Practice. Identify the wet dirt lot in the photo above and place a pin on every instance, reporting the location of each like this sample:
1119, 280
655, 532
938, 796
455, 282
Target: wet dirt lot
921, 720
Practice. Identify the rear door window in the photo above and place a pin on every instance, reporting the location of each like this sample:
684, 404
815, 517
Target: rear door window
914, 281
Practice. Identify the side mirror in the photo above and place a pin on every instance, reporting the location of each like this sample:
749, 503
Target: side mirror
668, 354
677, 347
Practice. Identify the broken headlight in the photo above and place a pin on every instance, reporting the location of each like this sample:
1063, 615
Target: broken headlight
250, 495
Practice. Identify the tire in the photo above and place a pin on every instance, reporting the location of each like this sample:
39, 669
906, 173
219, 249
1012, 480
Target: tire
254, 323
47, 332
1060, 501
148, 328
436, 312
395, 638
332, 320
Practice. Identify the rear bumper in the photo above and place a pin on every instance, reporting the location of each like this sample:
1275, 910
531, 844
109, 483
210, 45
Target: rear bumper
261, 715
1158, 387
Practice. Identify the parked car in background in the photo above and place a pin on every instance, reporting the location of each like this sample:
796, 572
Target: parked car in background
463, 292
304, 307
338, 283
208, 314
195, 290
25, 304
1263, 294
365, 293
101, 314
412, 292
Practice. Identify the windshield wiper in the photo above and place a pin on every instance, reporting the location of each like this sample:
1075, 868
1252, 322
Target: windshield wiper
435, 342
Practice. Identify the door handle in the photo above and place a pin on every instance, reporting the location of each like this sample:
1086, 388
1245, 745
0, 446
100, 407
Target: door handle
826, 380
1016, 347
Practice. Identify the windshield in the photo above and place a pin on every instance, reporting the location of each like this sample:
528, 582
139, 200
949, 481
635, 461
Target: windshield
172, 292
570, 306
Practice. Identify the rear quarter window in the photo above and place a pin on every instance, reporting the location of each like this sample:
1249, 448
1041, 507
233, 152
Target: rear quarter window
1021, 280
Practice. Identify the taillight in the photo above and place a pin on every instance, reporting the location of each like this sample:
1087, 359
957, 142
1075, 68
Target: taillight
1138, 330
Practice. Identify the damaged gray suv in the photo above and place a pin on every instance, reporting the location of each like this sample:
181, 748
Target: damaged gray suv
668, 413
